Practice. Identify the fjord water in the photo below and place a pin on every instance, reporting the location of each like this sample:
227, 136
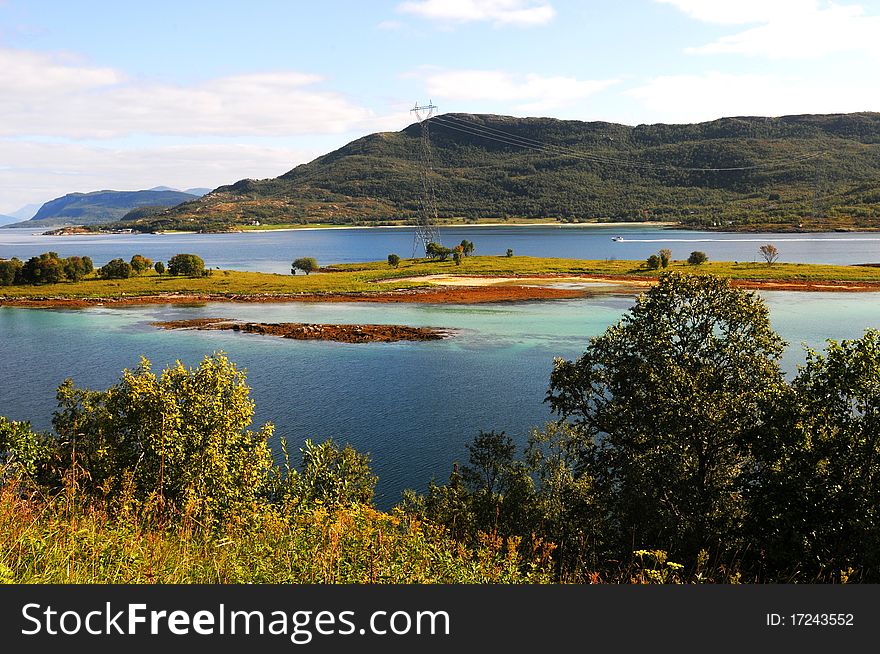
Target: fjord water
413, 406
273, 251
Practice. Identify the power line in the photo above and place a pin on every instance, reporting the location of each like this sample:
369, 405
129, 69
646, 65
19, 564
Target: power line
426, 225
489, 133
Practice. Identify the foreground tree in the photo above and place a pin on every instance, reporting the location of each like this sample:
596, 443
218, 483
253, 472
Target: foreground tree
667, 403
393, 260
815, 509
180, 438
159, 268
306, 264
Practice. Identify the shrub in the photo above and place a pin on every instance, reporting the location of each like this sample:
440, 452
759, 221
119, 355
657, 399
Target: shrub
393, 260
509, 252
653, 262
159, 268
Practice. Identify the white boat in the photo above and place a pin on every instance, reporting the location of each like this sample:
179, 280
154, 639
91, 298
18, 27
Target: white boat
616, 239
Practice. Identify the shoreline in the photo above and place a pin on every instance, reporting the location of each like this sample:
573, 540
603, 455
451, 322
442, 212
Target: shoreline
443, 289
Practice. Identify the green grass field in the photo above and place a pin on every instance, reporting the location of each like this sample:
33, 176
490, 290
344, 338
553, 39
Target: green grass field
372, 277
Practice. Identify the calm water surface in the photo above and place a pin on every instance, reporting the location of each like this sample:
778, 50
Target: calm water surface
413, 406
273, 251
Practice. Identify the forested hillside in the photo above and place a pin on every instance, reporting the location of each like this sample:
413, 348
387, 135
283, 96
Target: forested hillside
811, 171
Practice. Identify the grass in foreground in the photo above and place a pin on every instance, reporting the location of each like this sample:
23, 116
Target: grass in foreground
378, 276
57, 541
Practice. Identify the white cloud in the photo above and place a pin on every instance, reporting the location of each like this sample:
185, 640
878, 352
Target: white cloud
36, 172
498, 12
695, 98
742, 11
786, 29
531, 92
50, 95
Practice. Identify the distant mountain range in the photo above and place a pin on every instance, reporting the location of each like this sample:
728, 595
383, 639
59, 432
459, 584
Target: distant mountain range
99, 207
791, 172
5, 220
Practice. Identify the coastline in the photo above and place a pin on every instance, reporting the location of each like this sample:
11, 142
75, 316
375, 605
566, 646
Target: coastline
443, 289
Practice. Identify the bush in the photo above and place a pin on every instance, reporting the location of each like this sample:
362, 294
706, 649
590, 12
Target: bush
189, 265
653, 262
306, 264
115, 269
159, 268
509, 252
180, 438
393, 260
697, 258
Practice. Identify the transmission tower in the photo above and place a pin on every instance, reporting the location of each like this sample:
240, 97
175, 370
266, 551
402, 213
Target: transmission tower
426, 223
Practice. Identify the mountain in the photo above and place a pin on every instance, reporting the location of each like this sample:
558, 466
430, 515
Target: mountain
5, 220
807, 171
198, 192
26, 212
101, 206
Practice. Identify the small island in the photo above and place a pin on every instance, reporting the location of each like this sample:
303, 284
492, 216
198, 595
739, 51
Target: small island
314, 332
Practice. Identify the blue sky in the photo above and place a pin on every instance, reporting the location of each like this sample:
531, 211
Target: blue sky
121, 95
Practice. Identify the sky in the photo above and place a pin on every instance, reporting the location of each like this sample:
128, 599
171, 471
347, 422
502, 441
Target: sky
198, 93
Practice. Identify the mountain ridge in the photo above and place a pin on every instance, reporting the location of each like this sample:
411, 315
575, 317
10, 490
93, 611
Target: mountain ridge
810, 171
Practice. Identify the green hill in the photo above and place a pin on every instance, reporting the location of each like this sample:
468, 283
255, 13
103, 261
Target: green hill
100, 207
813, 171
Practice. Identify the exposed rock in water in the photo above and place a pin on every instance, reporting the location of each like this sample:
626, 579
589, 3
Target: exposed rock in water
316, 332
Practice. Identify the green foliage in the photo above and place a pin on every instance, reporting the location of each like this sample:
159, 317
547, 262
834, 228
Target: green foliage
697, 258
668, 402
115, 269
21, 450
653, 262
467, 247
509, 252
10, 271
48, 268
647, 172
333, 475
393, 260
139, 264
159, 267
437, 251
665, 257
819, 471
306, 264
188, 265
180, 438
77, 268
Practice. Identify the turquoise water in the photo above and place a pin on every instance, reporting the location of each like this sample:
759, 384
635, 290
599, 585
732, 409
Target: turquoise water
273, 251
413, 406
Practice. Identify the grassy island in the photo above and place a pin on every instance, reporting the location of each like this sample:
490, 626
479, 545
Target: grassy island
475, 279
